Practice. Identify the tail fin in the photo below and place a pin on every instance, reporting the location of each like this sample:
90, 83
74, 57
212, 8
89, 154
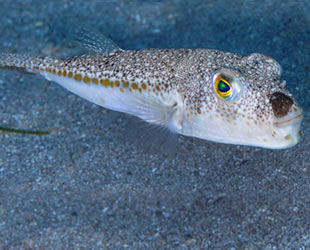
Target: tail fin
20, 62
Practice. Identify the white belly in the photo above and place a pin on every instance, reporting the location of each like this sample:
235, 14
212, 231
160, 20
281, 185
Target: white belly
132, 98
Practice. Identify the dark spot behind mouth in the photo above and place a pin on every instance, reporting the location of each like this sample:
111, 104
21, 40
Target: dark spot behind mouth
281, 104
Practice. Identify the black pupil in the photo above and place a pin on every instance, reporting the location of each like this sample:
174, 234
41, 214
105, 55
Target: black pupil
223, 87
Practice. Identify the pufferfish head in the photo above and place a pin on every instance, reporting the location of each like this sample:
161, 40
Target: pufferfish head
247, 104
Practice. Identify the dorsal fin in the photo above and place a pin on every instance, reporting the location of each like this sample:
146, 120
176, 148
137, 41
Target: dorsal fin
93, 40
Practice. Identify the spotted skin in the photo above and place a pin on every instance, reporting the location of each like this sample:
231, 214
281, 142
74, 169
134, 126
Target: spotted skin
175, 88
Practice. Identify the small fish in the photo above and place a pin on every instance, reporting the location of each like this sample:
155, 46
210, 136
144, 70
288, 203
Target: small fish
209, 94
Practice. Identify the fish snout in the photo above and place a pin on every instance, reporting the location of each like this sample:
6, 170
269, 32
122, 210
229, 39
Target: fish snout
287, 118
292, 118
285, 111
288, 127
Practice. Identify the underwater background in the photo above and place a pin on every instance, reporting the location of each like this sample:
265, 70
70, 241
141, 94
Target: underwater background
89, 185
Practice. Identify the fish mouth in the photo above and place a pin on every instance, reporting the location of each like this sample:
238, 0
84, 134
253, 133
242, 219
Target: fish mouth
291, 118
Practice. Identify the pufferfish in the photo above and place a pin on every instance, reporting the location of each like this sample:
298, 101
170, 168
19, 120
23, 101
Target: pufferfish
204, 93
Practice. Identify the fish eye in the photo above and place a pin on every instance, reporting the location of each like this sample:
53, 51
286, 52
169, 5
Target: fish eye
222, 88
226, 86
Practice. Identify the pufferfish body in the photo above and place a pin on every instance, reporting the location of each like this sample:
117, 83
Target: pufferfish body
209, 94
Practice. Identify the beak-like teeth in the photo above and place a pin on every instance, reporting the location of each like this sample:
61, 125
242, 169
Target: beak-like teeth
289, 119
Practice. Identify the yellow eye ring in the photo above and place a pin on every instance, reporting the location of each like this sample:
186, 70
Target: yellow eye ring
222, 87
227, 85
